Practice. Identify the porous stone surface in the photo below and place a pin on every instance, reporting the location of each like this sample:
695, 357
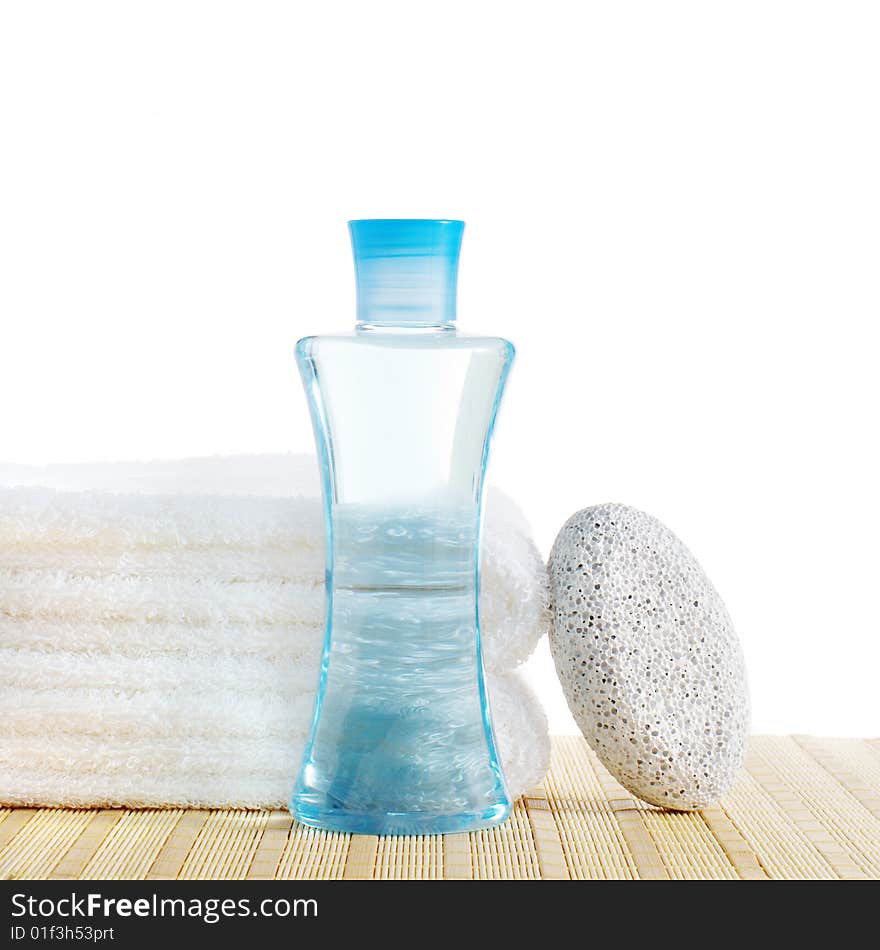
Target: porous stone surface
648, 658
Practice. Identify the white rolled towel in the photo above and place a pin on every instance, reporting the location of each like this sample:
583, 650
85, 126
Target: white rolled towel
215, 749
227, 541
160, 626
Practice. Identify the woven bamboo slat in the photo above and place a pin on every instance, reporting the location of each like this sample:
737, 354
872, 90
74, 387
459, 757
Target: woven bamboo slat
803, 807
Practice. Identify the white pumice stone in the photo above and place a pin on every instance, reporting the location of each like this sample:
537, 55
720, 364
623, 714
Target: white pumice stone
648, 657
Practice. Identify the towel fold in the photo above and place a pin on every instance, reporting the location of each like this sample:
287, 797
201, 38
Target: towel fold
215, 749
160, 633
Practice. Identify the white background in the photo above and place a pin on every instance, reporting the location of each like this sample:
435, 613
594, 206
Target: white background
673, 210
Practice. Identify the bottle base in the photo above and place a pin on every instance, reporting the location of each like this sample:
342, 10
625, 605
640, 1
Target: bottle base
398, 823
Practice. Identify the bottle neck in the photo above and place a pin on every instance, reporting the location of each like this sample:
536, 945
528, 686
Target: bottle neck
408, 328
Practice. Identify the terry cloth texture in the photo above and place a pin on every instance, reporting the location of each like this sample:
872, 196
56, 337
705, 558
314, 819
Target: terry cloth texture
161, 624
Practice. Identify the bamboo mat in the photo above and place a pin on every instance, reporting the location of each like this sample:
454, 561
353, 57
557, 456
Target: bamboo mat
802, 808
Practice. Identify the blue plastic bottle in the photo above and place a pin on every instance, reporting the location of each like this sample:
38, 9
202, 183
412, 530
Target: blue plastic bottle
403, 411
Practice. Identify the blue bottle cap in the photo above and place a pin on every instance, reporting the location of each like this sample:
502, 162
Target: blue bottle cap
406, 270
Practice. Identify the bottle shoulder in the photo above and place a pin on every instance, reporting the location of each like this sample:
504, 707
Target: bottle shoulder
312, 345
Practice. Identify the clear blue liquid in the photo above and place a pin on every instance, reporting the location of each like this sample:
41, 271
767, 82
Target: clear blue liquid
401, 743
